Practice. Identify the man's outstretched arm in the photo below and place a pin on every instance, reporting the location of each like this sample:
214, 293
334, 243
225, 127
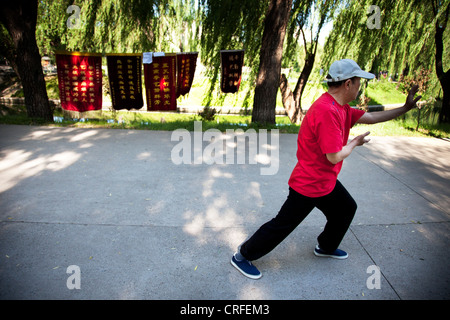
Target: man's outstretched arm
381, 116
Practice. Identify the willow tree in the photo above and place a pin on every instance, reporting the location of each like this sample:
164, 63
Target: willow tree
100, 26
118, 26
230, 25
259, 28
271, 53
179, 26
304, 19
410, 36
19, 46
441, 20
83, 25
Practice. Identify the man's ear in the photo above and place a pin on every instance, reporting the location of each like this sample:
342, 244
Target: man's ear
347, 83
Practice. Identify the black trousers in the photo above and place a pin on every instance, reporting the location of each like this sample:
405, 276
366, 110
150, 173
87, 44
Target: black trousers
338, 207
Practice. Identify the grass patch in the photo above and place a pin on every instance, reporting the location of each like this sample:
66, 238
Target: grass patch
405, 126
143, 121
161, 121
384, 92
380, 92
389, 128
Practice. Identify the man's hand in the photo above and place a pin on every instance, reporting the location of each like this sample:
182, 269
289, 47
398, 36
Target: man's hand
381, 116
337, 157
361, 139
410, 101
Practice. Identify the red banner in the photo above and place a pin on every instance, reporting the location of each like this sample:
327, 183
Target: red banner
231, 62
160, 83
80, 80
125, 82
186, 63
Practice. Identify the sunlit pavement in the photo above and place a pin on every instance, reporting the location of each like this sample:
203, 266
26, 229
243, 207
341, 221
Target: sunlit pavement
136, 225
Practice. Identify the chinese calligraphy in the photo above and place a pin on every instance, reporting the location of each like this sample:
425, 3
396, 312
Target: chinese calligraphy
125, 80
231, 62
80, 81
160, 80
186, 63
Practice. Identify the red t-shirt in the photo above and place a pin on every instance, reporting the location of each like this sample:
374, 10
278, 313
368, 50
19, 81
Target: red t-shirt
325, 129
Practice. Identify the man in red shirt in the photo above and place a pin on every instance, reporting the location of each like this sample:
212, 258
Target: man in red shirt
322, 147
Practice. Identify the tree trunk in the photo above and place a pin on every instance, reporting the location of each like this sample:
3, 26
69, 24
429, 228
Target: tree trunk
444, 116
268, 79
19, 18
289, 103
292, 100
444, 77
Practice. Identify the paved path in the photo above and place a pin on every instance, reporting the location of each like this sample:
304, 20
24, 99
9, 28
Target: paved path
113, 203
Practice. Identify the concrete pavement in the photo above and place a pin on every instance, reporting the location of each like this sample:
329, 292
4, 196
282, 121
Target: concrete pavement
113, 203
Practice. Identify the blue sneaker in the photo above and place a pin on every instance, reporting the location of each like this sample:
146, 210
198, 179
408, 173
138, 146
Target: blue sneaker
336, 254
246, 268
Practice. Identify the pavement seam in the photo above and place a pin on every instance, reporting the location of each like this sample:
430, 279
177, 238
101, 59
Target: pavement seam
87, 224
204, 227
375, 263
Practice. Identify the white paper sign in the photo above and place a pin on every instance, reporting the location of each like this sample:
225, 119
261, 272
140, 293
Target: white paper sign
147, 57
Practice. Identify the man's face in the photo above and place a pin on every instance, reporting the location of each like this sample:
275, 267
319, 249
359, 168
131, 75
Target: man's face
354, 88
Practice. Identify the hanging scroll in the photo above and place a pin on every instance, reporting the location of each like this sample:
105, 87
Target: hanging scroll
125, 82
231, 62
186, 63
79, 80
160, 82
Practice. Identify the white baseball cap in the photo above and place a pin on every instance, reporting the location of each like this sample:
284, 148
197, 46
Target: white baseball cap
345, 69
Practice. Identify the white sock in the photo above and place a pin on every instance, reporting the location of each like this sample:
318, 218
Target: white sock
238, 256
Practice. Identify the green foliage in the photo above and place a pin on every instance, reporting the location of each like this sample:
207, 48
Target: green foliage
383, 92
404, 43
419, 77
231, 25
118, 26
406, 126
